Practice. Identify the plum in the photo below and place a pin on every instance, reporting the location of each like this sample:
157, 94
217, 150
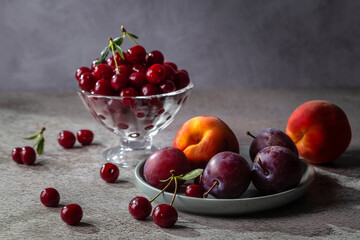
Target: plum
230, 172
270, 137
276, 169
159, 164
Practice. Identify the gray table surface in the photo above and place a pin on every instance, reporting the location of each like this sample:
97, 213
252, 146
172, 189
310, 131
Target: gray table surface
330, 209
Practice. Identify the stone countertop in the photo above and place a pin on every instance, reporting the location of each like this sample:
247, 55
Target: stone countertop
329, 210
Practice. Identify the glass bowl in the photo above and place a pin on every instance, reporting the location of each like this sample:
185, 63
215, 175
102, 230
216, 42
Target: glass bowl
136, 120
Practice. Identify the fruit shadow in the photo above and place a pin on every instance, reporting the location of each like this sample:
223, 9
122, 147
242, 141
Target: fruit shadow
326, 204
348, 164
85, 228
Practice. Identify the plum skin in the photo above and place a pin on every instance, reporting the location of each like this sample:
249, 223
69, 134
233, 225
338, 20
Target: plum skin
284, 170
232, 172
271, 137
159, 164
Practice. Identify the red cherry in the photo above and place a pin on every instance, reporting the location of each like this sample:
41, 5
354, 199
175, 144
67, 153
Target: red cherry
81, 71
167, 86
87, 81
71, 214
125, 69
103, 87
16, 155
28, 155
181, 79
50, 197
165, 215
194, 190
169, 73
171, 64
155, 74
128, 92
139, 68
140, 208
119, 81
103, 71
84, 137
109, 172
154, 57
149, 90
136, 54
93, 64
137, 80
66, 139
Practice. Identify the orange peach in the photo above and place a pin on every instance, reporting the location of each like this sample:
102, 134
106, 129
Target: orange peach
204, 136
320, 130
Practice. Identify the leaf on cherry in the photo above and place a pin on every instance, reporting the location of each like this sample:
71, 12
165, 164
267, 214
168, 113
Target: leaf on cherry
132, 35
40, 146
119, 40
103, 56
118, 49
191, 175
32, 137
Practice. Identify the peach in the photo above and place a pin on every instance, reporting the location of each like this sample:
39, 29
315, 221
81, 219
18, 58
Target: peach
320, 130
204, 136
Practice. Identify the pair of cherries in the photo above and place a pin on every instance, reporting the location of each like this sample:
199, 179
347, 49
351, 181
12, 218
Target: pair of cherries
25, 155
70, 214
67, 139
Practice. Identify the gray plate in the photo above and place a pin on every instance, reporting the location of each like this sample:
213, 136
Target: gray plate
251, 201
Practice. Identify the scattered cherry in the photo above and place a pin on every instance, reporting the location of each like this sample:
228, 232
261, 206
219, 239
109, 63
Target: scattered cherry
109, 172
16, 155
28, 155
155, 74
80, 71
85, 136
165, 215
71, 214
136, 54
194, 190
66, 139
50, 197
140, 208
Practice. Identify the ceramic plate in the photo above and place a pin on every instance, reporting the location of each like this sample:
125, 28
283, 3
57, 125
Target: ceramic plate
251, 201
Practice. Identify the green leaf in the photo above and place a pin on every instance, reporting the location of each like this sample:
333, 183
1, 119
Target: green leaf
191, 175
103, 55
132, 35
40, 146
32, 137
118, 49
119, 40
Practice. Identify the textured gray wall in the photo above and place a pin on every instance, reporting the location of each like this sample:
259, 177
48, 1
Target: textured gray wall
221, 43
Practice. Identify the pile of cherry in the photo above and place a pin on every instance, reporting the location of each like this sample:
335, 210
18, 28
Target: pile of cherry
132, 73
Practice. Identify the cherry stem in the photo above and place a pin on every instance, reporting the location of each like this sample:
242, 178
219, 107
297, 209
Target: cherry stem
216, 182
167, 185
42, 130
248, 133
173, 198
265, 171
128, 35
114, 56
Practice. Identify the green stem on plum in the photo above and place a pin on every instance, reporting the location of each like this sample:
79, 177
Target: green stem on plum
264, 170
173, 198
216, 182
167, 185
114, 56
248, 133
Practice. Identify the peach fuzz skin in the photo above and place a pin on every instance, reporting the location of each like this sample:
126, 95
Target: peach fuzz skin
204, 136
320, 130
